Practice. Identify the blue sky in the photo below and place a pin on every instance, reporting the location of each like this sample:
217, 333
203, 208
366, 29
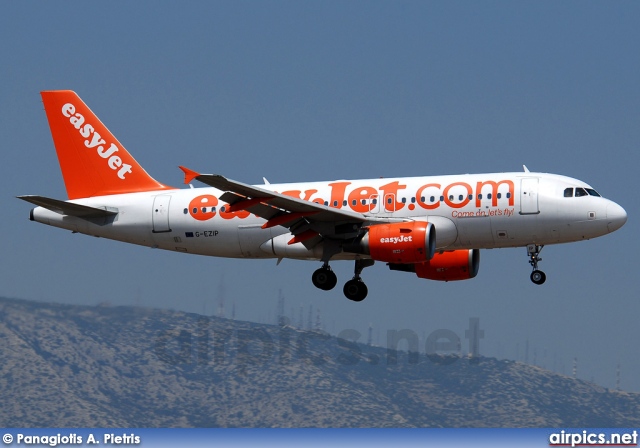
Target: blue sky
297, 91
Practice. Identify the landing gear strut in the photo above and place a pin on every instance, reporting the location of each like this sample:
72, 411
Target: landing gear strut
538, 277
355, 289
324, 278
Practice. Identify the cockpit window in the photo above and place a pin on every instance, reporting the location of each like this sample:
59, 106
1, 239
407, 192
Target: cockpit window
580, 192
568, 192
592, 192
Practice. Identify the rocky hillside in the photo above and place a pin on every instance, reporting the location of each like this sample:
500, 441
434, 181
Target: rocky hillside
75, 366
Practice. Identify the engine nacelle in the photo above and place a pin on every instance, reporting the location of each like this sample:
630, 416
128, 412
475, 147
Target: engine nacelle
450, 265
445, 266
403, 242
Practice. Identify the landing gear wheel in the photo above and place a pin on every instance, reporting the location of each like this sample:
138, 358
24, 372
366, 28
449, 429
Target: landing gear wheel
324, 278
533, 251
355, 290
538, 277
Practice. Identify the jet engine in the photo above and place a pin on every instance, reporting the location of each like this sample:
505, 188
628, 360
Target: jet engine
403, 242
445, 266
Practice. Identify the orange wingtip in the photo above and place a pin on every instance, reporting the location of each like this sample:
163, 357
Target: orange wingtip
189, 175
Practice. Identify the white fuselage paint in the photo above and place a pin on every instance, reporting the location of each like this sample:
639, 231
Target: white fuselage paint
530, 209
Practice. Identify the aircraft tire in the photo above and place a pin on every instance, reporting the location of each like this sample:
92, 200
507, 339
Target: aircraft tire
324, 279
538, 277
355, 290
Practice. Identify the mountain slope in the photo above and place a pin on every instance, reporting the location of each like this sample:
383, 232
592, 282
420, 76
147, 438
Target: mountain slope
76, 366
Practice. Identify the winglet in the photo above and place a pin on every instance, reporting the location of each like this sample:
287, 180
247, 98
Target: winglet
189, 175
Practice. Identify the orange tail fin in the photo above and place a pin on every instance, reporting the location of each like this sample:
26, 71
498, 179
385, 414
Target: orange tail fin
92, 160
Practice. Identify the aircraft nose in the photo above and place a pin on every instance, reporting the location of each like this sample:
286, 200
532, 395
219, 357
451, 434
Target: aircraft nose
616, 216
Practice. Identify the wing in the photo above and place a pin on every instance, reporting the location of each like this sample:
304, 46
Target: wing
309, 222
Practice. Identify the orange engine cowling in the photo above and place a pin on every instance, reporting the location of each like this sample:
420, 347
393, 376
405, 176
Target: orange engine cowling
450, 265
445, 266
403, 242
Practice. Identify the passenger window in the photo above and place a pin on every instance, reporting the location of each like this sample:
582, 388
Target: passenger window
460, 197
335, 203
568, 192
470, 197
508, 195
489, 196
451, 197
480, 196
413, 200
404, 200
580, 192
374, 201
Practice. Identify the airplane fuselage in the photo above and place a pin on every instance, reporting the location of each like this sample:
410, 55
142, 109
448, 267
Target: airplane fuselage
471, 211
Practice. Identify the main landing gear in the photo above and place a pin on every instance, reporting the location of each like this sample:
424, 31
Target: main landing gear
324, 278
533, 251
355, 289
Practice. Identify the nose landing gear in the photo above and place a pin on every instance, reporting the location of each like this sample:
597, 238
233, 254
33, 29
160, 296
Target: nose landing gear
533, 251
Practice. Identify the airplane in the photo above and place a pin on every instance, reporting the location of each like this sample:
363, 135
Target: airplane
431, 226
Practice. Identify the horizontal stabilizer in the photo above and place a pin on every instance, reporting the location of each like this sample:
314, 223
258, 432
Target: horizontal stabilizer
68, 208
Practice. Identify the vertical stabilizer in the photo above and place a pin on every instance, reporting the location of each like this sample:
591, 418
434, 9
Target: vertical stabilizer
92, 160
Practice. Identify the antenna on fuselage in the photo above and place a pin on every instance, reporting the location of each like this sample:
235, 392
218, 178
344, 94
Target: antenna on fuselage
526, 170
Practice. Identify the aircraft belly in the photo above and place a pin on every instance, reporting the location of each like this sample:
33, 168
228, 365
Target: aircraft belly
586, 229
251, 237
474, 232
